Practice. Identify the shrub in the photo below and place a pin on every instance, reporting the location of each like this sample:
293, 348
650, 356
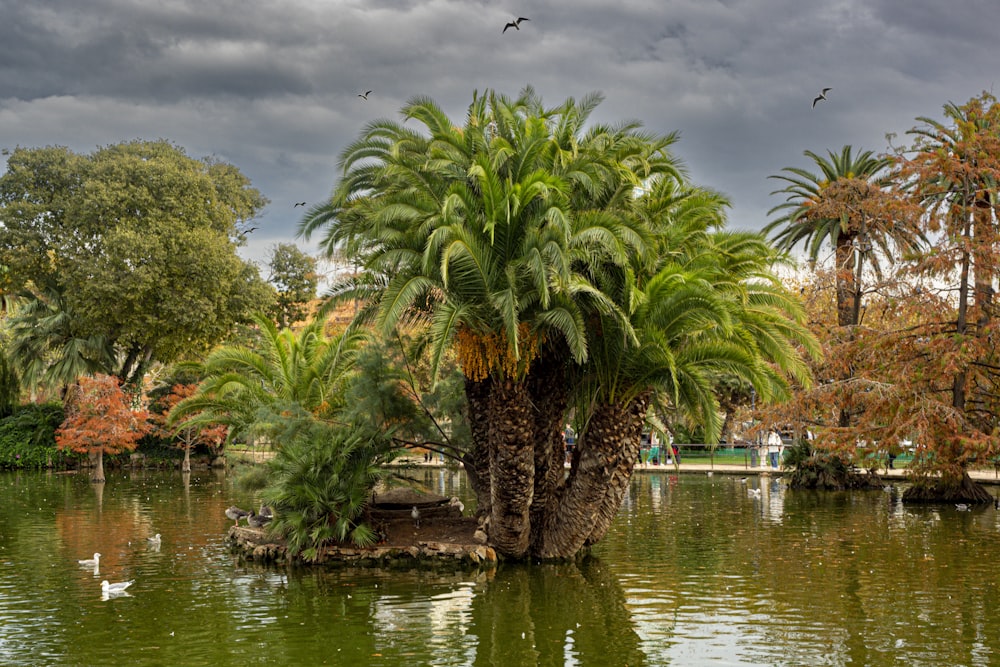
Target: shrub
320, 483
27, 438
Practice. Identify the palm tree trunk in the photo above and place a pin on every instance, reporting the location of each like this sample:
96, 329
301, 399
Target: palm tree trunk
186, 465
625, 465
846, 287
477, 460
550, 397
512, 467
608, 449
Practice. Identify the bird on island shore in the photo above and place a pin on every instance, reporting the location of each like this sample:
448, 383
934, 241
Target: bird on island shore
235, 513
415, 513
255, 520
455, 502
821, 96
91, 562
515, 23
266, 511
962, 507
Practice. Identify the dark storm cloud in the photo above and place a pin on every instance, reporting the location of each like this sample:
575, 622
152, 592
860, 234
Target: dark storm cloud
272, 85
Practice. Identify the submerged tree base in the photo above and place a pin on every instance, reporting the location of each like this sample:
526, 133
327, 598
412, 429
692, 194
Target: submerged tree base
939, 490
830, 472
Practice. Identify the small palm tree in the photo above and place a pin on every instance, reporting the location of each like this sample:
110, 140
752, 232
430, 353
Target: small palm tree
241, 385
320, 483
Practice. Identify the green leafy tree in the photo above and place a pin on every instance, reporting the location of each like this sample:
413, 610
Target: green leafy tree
138, 241
294, 276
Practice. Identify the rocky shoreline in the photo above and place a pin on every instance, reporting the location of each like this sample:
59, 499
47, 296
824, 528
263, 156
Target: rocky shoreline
253, 544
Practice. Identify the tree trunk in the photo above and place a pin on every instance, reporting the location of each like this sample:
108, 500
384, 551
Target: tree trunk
186, 465
622, 475
607, 452
512, 467
550, 397
97, 473
477, 461
846, 287
940, 490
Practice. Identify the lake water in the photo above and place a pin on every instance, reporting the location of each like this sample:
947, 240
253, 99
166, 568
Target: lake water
696, 571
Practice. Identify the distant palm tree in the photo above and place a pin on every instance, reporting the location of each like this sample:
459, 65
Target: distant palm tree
47, 351
847, 206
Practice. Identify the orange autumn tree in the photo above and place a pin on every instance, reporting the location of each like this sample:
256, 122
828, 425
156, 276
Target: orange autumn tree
185, 435
99, 421
923, 364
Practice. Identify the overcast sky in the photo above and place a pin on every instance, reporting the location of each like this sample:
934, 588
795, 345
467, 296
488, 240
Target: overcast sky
272, 85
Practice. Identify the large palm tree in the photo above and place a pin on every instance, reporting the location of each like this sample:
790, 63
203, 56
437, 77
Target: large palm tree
518, 241
708, 308
846, 205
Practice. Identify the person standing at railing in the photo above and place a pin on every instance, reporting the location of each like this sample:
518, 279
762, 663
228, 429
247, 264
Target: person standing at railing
774, 446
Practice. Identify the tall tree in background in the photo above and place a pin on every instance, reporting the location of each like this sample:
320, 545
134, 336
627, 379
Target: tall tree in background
294, 276
953, 171
99, 421
846, 204
849, 206
135, 242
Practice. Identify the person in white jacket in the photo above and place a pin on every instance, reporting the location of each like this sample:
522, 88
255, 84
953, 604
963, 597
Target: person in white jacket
774, 447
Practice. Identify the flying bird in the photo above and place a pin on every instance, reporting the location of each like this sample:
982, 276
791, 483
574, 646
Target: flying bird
821, 96
365, 95
514, 24
299, 203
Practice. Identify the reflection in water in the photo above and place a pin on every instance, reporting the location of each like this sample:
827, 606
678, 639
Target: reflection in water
695, 571
558, 614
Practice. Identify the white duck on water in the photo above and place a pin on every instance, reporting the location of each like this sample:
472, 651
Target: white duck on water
117, 588
91, 562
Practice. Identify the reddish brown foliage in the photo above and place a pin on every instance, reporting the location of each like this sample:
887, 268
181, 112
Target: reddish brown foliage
99, 418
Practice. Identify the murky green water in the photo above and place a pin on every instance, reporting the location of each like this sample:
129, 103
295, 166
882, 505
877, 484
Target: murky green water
696, 571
